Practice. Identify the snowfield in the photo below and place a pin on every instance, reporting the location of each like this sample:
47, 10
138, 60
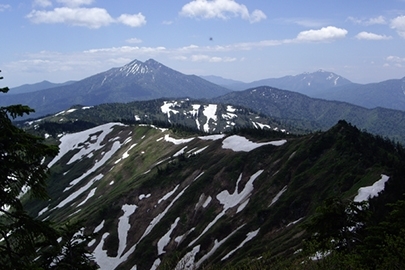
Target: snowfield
369, 192
241, 144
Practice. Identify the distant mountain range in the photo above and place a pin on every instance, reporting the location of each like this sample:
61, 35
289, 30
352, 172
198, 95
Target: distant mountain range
134, 81
27, 88
330, 86
300, 111
151, 80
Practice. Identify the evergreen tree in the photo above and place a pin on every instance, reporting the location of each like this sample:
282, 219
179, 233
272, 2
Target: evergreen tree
23, 170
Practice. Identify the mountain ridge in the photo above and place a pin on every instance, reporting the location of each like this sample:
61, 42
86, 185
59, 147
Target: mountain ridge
159, 197
118, 85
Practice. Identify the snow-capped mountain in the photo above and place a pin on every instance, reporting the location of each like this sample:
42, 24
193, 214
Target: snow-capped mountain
199, 116
134, 81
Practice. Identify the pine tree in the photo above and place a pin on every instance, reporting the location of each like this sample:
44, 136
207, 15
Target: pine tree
23, 170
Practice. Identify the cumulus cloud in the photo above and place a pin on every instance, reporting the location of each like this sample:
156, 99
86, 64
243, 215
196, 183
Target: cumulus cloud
369, 21
371, 36
395, 59
212, 59
223, 9
133, 20
89, 17
399, 25
324, 34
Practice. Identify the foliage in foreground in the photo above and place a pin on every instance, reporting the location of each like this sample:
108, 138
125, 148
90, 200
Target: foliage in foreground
26, 242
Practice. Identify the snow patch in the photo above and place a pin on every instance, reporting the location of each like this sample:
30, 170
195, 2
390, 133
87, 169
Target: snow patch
238, 143
162, 243
275, 199
369, 192
249, 237
177, 141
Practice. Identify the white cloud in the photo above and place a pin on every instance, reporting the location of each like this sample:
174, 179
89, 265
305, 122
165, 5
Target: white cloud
43, 3
395, 59
212, 59
167, 22
3, 7
223, 9
134, 40
305, 22
324, 34
75, 3
133, 20
89, 17
125, 50
371, 36
370, 21
399, 25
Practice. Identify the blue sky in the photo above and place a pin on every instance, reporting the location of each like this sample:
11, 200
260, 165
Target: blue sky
246, 40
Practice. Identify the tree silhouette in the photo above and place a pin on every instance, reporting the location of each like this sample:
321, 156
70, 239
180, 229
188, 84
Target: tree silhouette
23, 172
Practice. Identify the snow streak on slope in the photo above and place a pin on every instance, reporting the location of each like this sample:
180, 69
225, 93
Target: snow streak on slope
80, 191
238, 143
162, 243
231, 200
86, 141
217, 244
275, 199
103, 260
210, 112
166, 108
177, 141
369, 192
249, 237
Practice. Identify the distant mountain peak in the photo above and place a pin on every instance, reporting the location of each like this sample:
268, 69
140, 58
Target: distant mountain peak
135, 67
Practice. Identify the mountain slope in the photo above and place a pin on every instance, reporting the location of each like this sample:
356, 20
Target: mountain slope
308, 113
304, 83
27, 88
195, 115
157, 197
387, 94
134, 81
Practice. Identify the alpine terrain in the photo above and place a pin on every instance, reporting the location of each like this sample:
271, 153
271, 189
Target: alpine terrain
134, 81
170, 196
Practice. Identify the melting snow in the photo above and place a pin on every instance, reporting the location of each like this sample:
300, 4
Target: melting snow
99, 227
369, 192
275, 199
180, 152
91, 194
294, 222
212, 137
162, 243
177, 141
215, 247
104, 261
143, 196
210, 113
249, 237
239, 143
73, 141
188, 261
81, 190
167, 108
168, 195
231, 200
